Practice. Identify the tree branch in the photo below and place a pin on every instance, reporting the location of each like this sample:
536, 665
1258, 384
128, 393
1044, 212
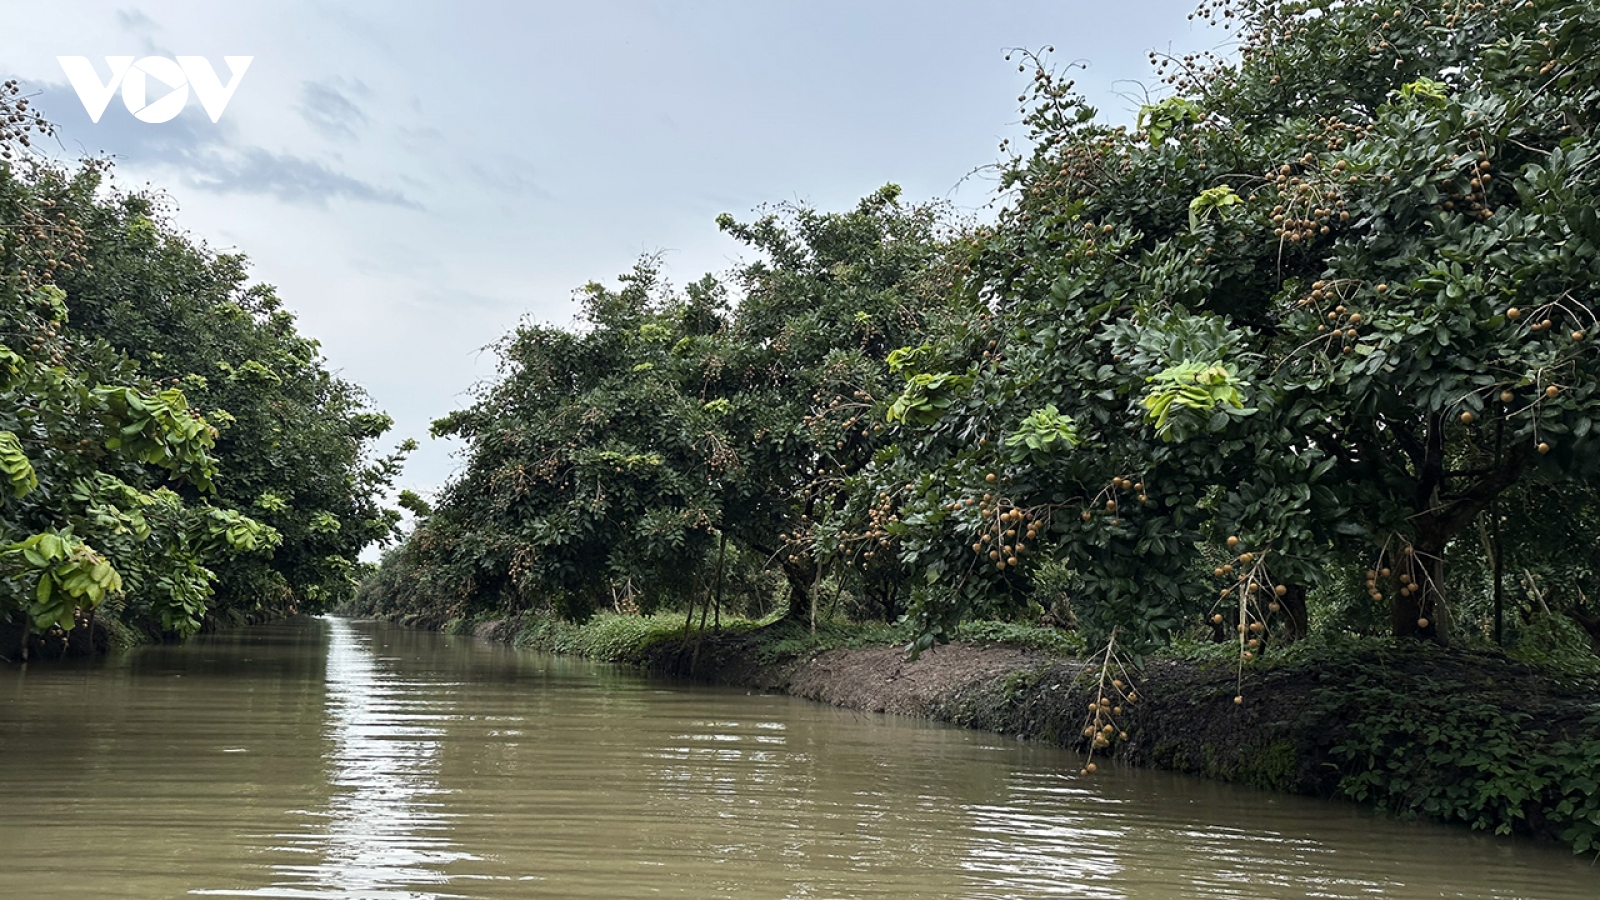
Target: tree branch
1453, 515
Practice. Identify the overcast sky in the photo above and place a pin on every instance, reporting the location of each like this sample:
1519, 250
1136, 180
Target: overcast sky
417, 177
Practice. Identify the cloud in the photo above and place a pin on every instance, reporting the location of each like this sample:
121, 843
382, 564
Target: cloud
327, 107
206, 155
141, 26
293, 179
511, 176
134, 20
423, 139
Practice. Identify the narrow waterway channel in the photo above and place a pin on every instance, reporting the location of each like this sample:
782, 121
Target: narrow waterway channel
336, 759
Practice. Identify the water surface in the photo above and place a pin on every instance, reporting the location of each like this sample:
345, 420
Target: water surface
337, 759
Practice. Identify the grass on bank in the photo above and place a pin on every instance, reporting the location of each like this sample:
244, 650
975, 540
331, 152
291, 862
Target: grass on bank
613, 637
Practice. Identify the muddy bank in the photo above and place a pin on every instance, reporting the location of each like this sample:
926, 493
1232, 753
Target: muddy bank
1455, 736
20, 644
1186, 719
872, 679
95, 636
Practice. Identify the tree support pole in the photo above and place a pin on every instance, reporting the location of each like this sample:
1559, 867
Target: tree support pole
722, 553
1499, 576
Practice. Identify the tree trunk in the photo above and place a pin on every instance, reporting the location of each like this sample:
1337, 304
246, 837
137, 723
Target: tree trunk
1297, 621
1424, 612
802, 574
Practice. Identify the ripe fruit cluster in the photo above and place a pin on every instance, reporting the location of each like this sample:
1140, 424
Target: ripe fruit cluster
1308, 206
1544, 323
841, 420
19, 123
881, 516
1345, 325
1115, 694
1469, 191
1003, 532
1384, 574
44, 240
800, 541
1102, 729
45, 342
1341, 324
1107, 499
1127, 484
1334, 134
1259, 599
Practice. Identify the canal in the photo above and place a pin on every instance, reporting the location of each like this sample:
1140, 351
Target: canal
325, 758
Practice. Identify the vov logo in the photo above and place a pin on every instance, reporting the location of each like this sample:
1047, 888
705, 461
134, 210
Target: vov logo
174, 78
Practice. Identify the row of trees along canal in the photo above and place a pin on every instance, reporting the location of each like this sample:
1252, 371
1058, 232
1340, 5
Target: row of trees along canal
171, 449
1312, 346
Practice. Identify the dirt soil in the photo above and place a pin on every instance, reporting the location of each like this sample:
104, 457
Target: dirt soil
1186, 719
881, 679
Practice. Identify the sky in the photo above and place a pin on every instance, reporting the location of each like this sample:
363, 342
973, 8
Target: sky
416, 178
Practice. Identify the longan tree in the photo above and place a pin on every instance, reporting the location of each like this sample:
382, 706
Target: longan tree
804, 365
105, 476
618, 454
174, 446
1327, 302
588, 464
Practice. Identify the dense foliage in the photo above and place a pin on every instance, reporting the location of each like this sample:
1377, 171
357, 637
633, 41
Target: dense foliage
1320, 313
672, 442
171, 446
1312, 344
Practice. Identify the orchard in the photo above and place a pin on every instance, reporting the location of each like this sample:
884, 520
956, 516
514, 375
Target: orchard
1312, 324
171, 449
1308, 347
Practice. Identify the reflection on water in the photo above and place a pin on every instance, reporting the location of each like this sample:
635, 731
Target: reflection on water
1053, 837
335, 759
383, 835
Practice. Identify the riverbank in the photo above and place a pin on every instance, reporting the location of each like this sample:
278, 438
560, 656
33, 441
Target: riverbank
96, 635
1450, 735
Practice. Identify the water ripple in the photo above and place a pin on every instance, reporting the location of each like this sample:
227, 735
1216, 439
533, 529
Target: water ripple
383, 833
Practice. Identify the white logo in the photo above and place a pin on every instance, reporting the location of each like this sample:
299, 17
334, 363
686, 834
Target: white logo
135, 77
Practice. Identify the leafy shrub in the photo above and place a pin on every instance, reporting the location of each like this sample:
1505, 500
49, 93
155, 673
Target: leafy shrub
1466, 748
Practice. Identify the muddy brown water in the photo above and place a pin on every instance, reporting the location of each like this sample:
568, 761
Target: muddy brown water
333, 759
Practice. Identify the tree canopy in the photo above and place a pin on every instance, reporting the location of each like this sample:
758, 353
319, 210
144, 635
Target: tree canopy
621, 452
1311, 343
173, 447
